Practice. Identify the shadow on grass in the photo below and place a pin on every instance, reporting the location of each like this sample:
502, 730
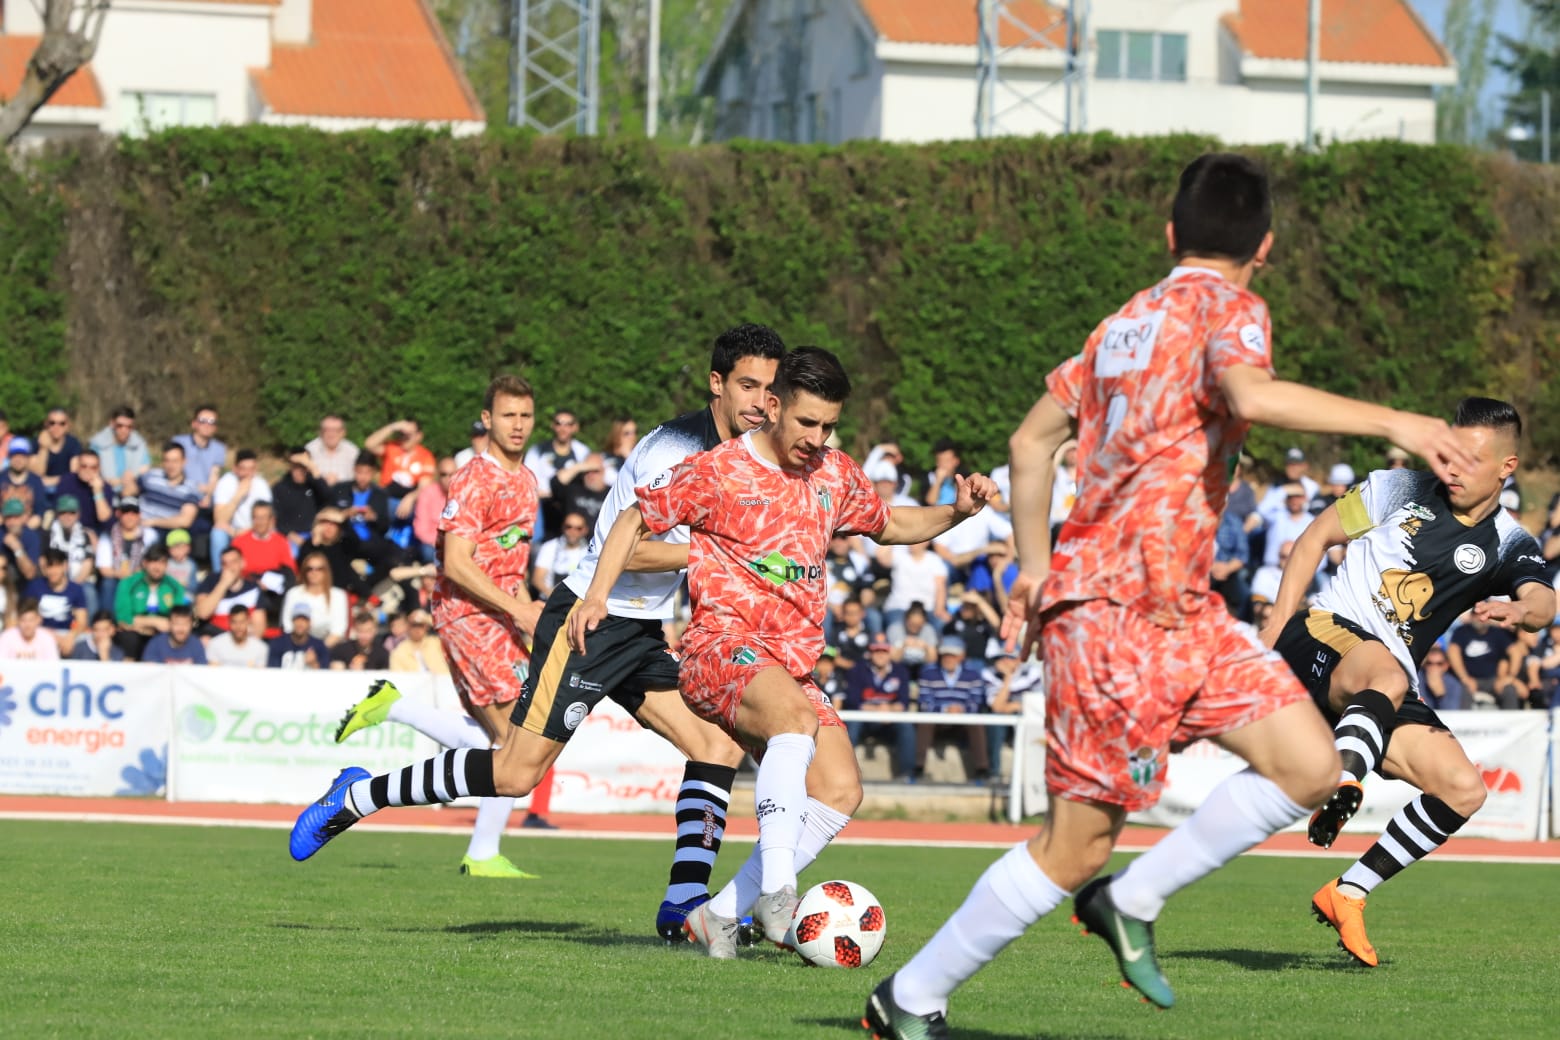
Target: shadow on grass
853, 1026
1265, 960
299, 926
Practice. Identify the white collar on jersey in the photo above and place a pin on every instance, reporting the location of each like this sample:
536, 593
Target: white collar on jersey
1188, 271
747, 442
490, 457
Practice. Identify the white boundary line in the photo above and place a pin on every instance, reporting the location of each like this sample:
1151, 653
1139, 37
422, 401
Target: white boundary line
277, 825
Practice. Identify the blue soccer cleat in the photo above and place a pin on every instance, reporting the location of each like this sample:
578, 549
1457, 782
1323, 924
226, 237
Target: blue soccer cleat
669, 919
326, 818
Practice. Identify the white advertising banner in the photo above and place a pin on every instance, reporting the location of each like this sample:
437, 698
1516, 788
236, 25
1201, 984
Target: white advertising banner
1508, 747
614, 765
83, 728
261, 735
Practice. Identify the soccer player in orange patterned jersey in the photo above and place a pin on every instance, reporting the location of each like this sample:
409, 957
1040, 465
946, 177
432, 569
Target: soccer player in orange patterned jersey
762, 509
1141, 657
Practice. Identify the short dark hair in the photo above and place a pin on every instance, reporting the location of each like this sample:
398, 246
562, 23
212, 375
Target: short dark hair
53, 556
747, 340
1223, 207
296, 450
507, 386
1490, 413
154, 553
265, 502
367, 458
244, 455
27, 606
230, 548
124, 411
203, 408
185, 610
238, 610
364, 615
84, 452
105, 615
814, 370
172, 446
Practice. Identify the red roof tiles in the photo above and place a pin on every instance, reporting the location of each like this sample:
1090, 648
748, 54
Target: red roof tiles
80, 91
1378, 32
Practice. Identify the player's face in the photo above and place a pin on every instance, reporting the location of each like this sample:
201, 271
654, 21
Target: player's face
1495, 458
742, 396
509, 424
799, 427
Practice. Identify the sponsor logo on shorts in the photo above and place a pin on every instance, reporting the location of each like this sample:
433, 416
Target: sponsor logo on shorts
1469, 558
744, 655
450, 509
512, 536
768, 807
778, 569
1143, 766
576, 683
575, 714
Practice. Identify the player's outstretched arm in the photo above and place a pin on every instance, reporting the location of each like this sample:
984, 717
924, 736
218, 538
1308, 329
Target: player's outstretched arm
908, 525
1533, 609
1033, 450
1255, 396
657, 556
1320, 535
610, 564
461, 567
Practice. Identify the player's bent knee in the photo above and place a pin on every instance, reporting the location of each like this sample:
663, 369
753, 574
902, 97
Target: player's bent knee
842, 794
514, 776
1464, 791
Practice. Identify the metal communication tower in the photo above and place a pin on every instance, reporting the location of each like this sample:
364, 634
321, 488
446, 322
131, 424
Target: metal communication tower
1002, 93
554, 72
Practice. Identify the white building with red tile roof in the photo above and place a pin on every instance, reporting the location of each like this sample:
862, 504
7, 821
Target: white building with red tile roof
332, 64
905, 70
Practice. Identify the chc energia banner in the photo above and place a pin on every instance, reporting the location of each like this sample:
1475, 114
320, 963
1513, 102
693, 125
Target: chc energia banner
83, 728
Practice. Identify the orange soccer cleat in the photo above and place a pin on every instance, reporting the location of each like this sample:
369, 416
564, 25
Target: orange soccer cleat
1347, 917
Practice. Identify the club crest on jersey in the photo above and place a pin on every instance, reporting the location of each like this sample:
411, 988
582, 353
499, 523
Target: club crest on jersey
1143, 766
779, 569
744, 655
825, 500
1468, 558
512, 536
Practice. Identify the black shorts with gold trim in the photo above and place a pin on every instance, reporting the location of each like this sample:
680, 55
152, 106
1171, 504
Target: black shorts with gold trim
624, 658
1314, 641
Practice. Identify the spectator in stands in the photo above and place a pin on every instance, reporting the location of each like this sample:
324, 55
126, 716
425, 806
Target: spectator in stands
1543, 668
170, 500
144, 600
28, 640
261, 547
296, 649
332, 537
1007, 683
1268, 577
965, 547
580, 487
941, 487
546, 459
239, 646
182, 567
1487, 660
70, 536
851, 637
430, 503
917, 575
881, 684
1231, 554
123, 451
975, 624
954, 687
365, 651
915, 639
621, 438
205, 456
477, 433
852, 575
368, 511
119, 552
1064, 488
406, 463
421, 650
178, 645
233, 502
22, 485
327, 604
1438, 687
1296, 471
62, 604
1397, 458
1340, 478
1284, 527
87, 486
224, 590
97, 643
21, 545
331, 455
297, 497
8, 593
829, 677
557, 557
56, 449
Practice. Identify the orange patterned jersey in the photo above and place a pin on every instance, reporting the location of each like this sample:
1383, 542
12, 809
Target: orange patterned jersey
496, 510
760, 535
1156, 443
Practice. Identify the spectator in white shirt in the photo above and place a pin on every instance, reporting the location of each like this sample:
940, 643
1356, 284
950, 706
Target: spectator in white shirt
332, 456
233, 501
238, 647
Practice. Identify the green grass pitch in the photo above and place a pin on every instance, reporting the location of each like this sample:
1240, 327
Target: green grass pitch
121, 930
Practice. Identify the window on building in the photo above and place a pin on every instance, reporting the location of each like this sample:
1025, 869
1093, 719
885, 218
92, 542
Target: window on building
146, 111
863, 54
1140, 55
782, 122
811, 131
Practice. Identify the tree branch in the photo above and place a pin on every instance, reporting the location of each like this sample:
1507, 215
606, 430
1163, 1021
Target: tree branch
60, 53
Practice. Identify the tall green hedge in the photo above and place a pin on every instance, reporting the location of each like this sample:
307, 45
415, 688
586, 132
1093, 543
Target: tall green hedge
282, 273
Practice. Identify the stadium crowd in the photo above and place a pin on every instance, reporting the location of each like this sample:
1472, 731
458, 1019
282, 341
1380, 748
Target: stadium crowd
190, 555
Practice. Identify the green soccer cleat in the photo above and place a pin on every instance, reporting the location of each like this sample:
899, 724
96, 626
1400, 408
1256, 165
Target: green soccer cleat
498, 866
370, 711
1131, 940
886, 1020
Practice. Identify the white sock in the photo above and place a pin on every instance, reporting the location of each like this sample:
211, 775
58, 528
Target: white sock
818, 829
780, 792
1010, 896
1243, 810
492, 818
453, 729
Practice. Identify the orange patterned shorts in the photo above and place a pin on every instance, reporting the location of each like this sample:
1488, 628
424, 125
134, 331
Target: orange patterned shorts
488, 662
713, 677
1122, 692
